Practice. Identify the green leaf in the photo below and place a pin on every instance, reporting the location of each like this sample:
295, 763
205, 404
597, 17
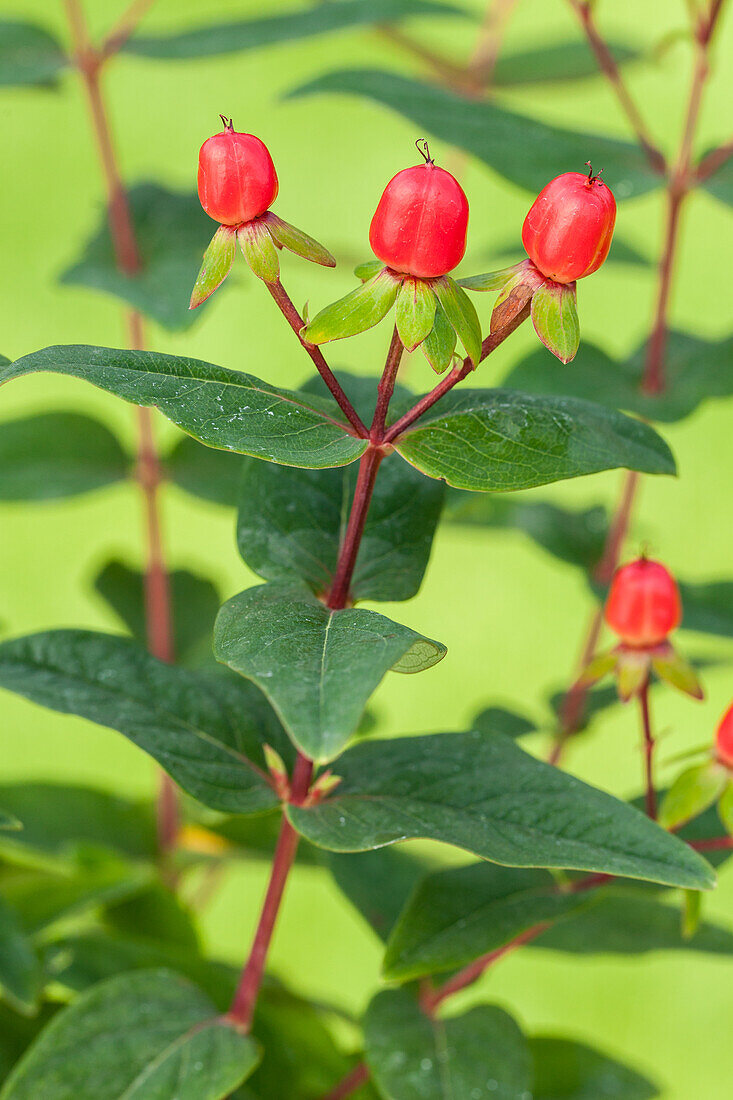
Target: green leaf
691, 913
29, 54
20, 967
206, 730
563, 61
56, 455
623, 921
259, 251
523, 150
501, 720
222, 408
254, 34
439, 345
461, 313
359, 310
414, 1057
725, 808
415, 312
695, 370
720, 184
675, 670
150, 1035
194, 602
377, 883
172, 233
708, 608
566, 1070
8, 821
296, 241
576, 537
555, 319
368, 270
464, 789
291, 523
302, 655
205, 472
455, 916
692, 792
491, 280
496, 440
18, 1032
218, 260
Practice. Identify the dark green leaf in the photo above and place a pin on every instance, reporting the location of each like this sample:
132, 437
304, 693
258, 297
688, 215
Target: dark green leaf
596, 701
172, 233
496, 440
254, 34
157, 914
720, 184
205, 472
455, 916
622, 921
415, 312
151, 1035
559, 61
222, 408
566, 1070
695, 370
297, 242
577, 537
291, 523
303, 655
218, 260
8, 821
440, 344
461, 314
523, 150
484, 794
205, 729
20, 968
708, 608
54, 455
194, 601
501, 720
377, 883
29, 54
412, 1057
356, 312
555, 319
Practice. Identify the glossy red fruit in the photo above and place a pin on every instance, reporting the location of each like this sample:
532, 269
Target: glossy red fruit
724, 738
420, 224
237, 179
568, 231
643, 605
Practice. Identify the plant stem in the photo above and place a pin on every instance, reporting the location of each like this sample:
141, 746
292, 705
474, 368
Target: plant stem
386, 387
358, 1076
368, 466
158, 613
125, 26
245, 998
651, 794
713, 161
296, 322
712, 844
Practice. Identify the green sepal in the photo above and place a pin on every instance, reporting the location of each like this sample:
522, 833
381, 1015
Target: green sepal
295, 240
439, 345
368, 270
673, 668
491, 280
516, 292
218, 260
461, 313
555, 318
415, 312
259, 250
725, 806
691, 913
692, 792
358, 311
599, 667
632, 672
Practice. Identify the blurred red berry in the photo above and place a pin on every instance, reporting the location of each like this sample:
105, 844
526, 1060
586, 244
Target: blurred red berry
420, 225
643, 604
724, 738
237, 179
567, 232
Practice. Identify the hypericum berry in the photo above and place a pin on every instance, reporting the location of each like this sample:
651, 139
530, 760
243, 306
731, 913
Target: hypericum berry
420, 225
724, 738
567, 232
643, 604
237, 179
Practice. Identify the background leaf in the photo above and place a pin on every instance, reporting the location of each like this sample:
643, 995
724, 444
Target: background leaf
566, 1070
205, 472
20, 968
377, 883
61, 454
29, 54
463, 789
573, 60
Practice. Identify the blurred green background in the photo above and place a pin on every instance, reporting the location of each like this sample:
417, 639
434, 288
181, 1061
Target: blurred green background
511, 615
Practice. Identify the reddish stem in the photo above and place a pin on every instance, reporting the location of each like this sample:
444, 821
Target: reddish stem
651, 794
714, 161
358, 1076
296, 323
125, 27
368, 466
653, 381
386, 387
712, 844
245, 998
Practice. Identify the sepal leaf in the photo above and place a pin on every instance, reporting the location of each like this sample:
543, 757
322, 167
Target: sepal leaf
356, 312
295, 240
725, 807
491, 280
599, 667
670, 666
218, 260
691, 793
415, 312
258, 250
516, 293
439, 345
461, 313
555, 318
366, 271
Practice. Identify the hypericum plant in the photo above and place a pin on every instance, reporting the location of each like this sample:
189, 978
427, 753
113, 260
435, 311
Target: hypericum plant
275, 747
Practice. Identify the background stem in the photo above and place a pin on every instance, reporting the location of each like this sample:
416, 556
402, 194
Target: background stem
651, 793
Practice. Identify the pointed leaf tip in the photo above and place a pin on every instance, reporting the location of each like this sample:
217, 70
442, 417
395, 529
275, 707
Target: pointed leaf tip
555, 318
218, 260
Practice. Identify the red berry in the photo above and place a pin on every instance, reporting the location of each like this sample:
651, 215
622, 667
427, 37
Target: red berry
237, 179
724, 738
568, 231
420, 224
643, 605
